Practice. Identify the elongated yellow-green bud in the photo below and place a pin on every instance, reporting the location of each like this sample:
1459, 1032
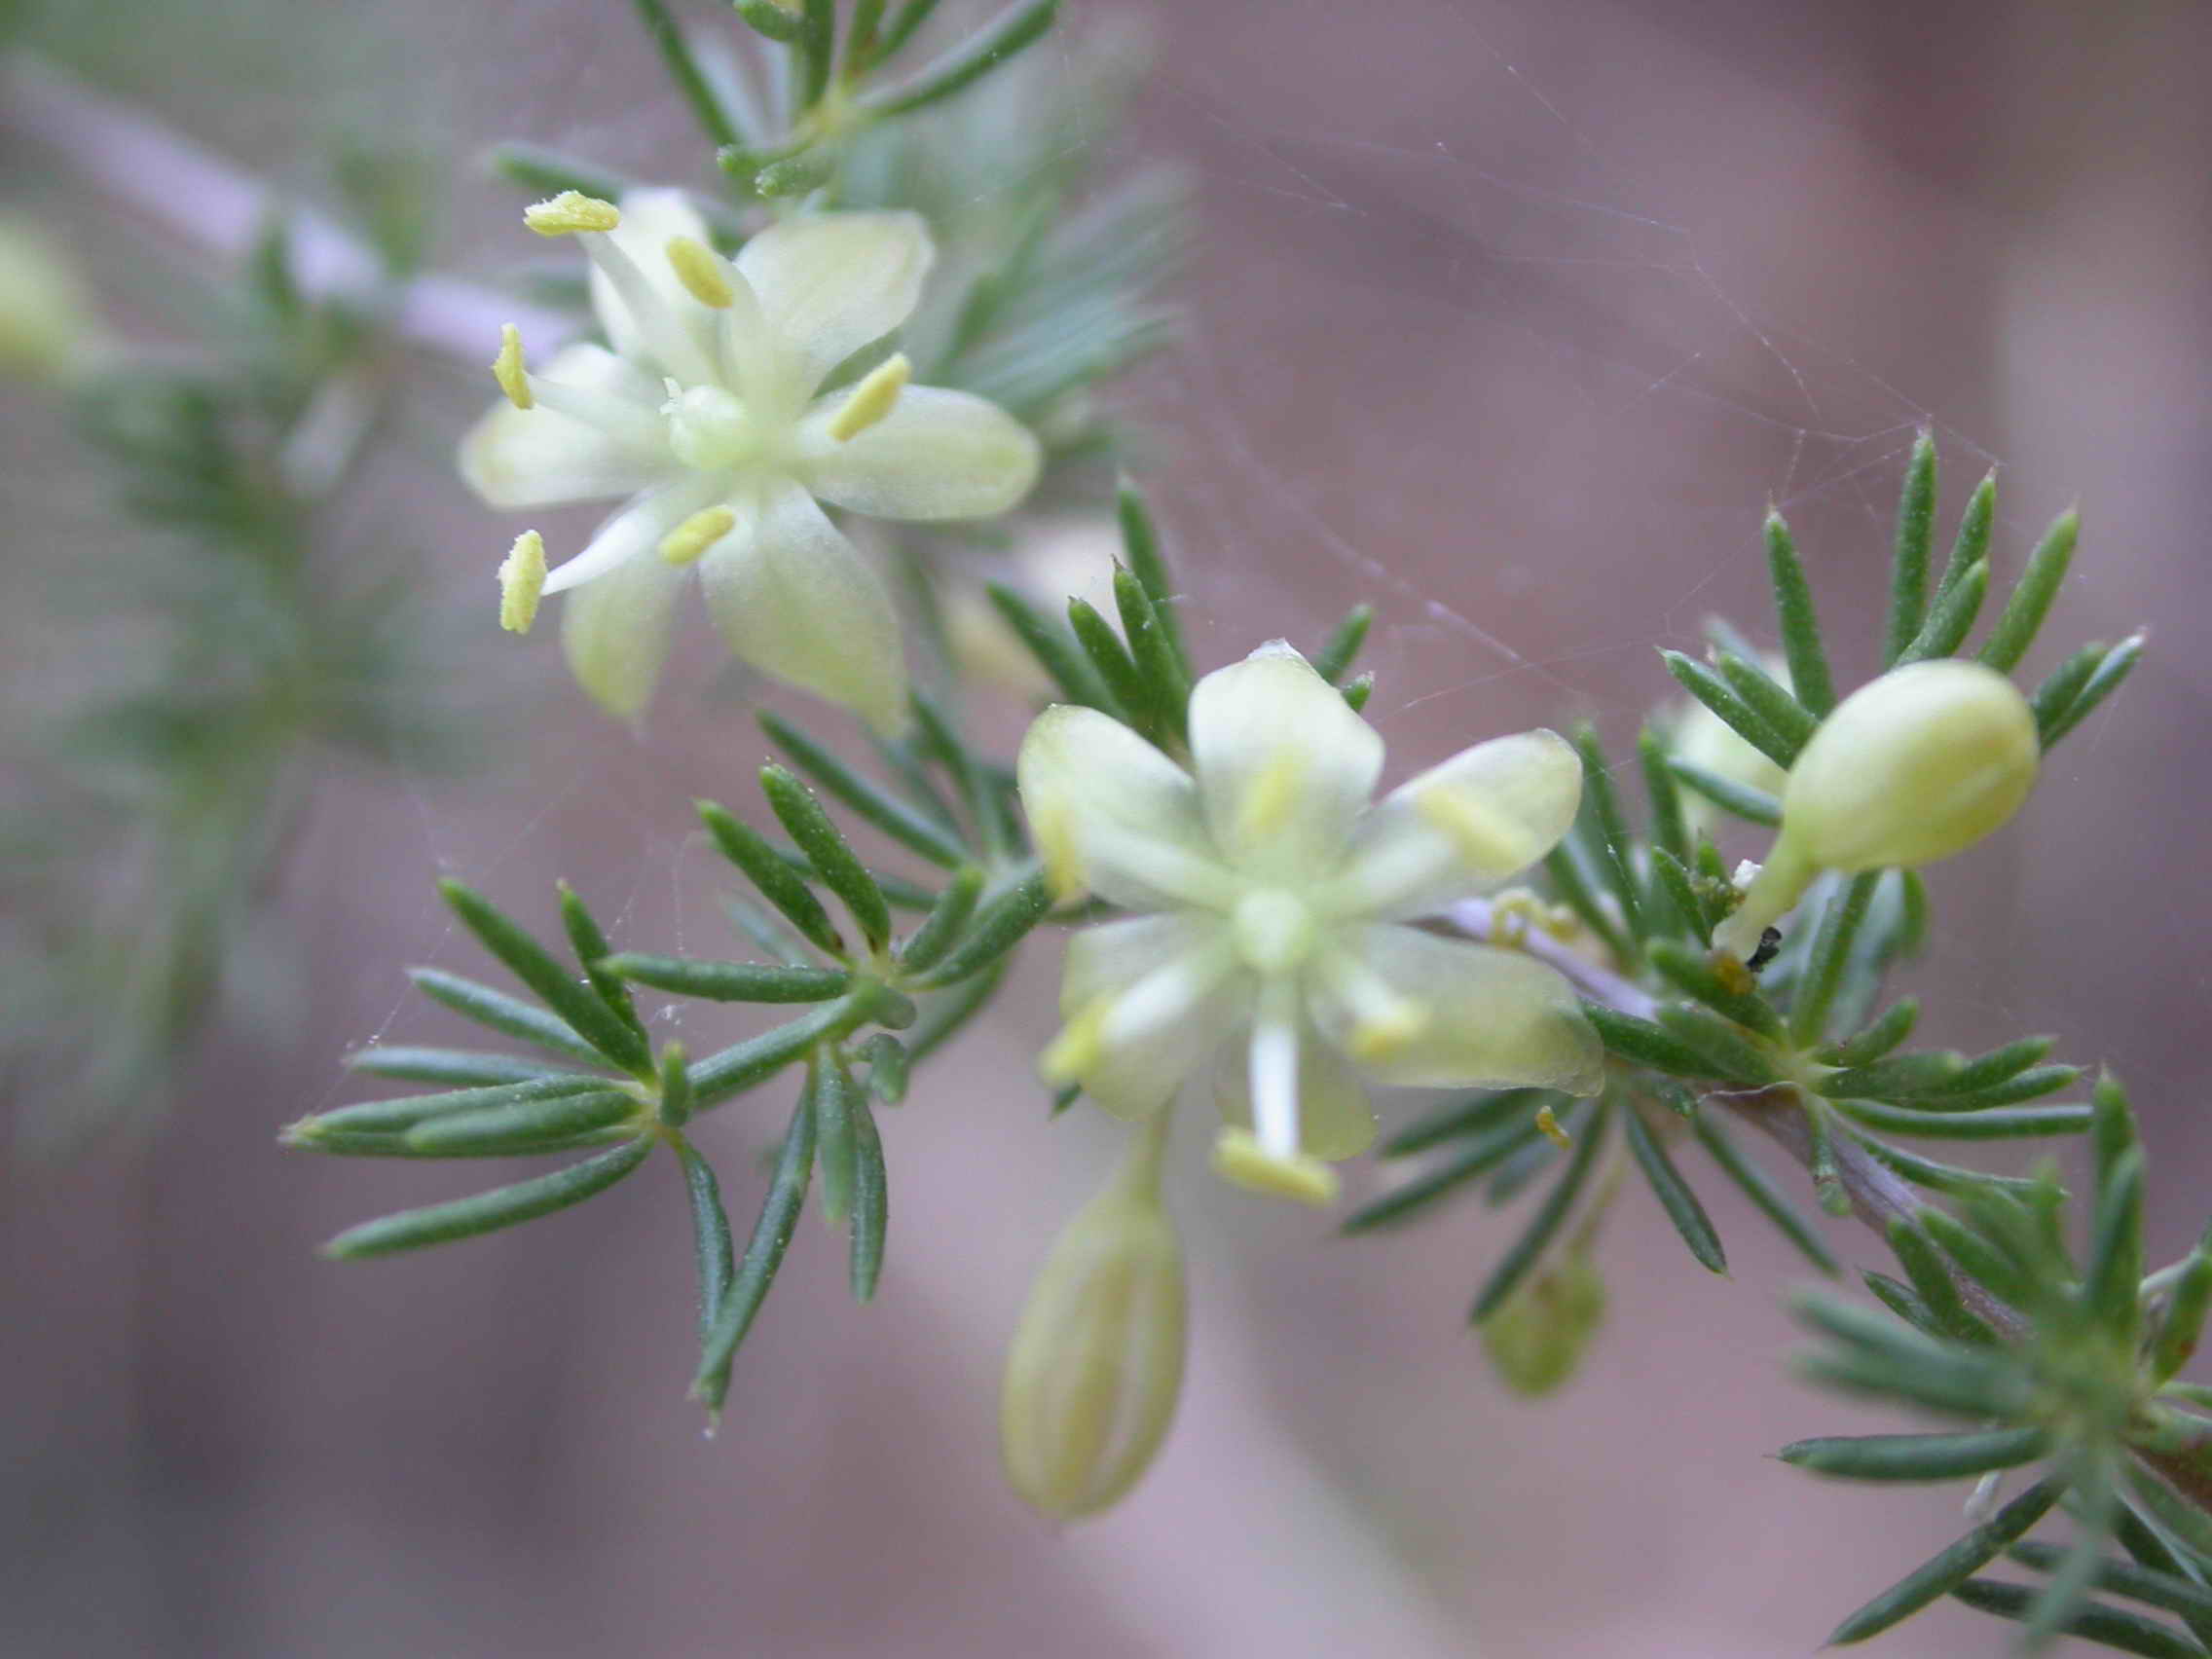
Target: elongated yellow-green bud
1096, 1364
1920, 764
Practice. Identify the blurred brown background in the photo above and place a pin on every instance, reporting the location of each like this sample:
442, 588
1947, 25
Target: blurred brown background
1508, 317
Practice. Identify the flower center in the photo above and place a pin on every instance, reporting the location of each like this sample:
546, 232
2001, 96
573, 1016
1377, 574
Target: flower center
710, 428
1274, 930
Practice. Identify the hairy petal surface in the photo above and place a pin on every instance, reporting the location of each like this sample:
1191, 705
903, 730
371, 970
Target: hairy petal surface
937, 454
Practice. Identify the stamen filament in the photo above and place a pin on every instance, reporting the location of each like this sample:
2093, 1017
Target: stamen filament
621, 419
667, 336
1275, 1071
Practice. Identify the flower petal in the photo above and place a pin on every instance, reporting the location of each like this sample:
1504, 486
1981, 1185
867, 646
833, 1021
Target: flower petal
1147, 1000
1493, 1016
794, 599
651, 220
1485, 815
830, 283
615, 631
1335, 1120
1284, 766
535, 457
1112, 814
937, 454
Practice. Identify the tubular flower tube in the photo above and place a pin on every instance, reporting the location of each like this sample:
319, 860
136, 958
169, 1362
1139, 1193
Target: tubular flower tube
1268, 942
1096, 1364
708, 414
1910, 769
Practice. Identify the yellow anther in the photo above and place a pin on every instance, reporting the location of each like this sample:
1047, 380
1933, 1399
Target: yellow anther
1271, 797
509, 370
699, 268
696, 533
1080, 1046
871, 400
1486, 839
1549, 1124
1387, 1031
570, 213
1238, 1158
522, 578
1062, 856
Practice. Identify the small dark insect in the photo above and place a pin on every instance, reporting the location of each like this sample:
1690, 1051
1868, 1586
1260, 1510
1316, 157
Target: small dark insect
1770, 943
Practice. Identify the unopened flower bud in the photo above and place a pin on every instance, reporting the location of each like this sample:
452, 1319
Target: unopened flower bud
1538, 1337
1920, 764
1097, 1360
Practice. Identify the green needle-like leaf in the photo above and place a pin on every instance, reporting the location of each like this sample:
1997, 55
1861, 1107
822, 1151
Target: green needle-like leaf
1674, 1193
1752, 805
1342, 648
2115, 1264
1470, 1116
523, 1126
487, 1212
940, 929
990, 45
1159, 667
1728, 1048
1672, 881
2184, 1320
1140, 549
836, 1102
1793, 1224
589, 942
1670, 831
868, 800
501, 1012
2031, 600
1987, 1123
1604, 827
2167, 1590
731, 982
2117, 664
1918, 1456
771, 19
582, 1008
1055, 650
403, 1114
1522, 1254
778, 883
462, 1067
675, 1104
872, 1204
1908, 562
709, 1234
1951, 619
1766, 697
2106, 1626
1480, 1154
691, 80
763, 1255
1575, 892
1932, 1283
1869, 1045
827, 850
1695, 975
1646, 1044
1972, 544
1717, 694
1801, 645
1947, 1571
1001, 923
1111, 659
909, 18
742, 1065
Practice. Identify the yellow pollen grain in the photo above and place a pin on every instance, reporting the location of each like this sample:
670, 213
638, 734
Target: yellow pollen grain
522, 580
700, 270
696, 533
570, 213
509, 370
1270, 799
1549, 1124
1484, 838
1241, 1159
872, 398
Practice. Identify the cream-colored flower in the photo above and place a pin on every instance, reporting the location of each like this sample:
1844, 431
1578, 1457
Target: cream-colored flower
1271, 902
47, 331
707, 413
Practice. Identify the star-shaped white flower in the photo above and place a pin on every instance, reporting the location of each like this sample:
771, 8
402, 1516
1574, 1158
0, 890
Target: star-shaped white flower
706, 413
1272, 903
